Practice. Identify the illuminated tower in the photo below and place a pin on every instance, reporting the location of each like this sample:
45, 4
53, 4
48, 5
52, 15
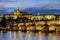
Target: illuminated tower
17, 12
38, 13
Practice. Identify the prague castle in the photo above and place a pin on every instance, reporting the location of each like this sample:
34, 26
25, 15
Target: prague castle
17, 13
20, 20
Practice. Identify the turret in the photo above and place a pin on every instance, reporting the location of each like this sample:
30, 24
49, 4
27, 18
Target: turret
17, 12
38, 13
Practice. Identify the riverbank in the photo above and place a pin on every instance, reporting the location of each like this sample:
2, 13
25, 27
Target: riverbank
45, 31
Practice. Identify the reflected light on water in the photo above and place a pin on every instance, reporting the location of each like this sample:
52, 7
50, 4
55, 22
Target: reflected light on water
28, 36
52, 36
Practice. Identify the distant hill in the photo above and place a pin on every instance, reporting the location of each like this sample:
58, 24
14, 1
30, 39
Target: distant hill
42, 11
33, 11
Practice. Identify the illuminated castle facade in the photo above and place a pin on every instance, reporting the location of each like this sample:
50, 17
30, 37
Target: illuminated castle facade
20, 14
19, 18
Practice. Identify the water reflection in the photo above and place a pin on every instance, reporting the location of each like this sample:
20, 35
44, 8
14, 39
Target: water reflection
28, 36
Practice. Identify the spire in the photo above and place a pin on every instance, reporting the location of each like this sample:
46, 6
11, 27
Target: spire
17, 12
38, 13
18, 9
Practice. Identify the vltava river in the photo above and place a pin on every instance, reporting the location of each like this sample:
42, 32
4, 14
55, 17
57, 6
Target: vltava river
28, 36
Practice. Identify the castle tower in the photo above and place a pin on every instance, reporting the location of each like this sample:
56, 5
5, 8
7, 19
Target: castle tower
17, 12
38, 13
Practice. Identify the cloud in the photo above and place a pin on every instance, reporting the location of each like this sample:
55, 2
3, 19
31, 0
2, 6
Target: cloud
55, 4
18, 4
6, 0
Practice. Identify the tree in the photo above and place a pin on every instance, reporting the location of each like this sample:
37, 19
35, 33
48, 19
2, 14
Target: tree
3, 22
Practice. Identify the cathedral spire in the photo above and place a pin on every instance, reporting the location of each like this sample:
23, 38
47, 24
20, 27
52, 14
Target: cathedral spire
18, 9
17, 12
38, 13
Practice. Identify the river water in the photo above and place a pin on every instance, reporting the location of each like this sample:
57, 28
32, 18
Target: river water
13, 35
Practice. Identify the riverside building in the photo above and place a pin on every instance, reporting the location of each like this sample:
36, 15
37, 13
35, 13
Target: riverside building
20, 20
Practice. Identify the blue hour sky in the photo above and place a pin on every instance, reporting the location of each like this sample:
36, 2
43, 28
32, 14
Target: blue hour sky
45, 4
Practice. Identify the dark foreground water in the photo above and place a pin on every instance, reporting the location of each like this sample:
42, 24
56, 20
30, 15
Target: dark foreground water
28, 36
